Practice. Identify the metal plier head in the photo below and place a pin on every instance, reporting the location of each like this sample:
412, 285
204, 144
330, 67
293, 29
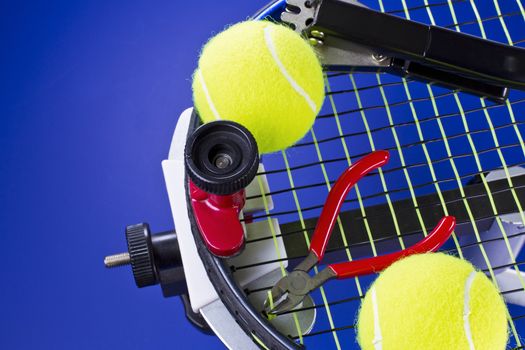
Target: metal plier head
290, 291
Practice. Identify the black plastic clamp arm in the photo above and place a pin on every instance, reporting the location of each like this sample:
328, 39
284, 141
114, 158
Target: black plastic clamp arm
442, 48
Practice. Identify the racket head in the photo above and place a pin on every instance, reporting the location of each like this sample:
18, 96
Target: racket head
441, 141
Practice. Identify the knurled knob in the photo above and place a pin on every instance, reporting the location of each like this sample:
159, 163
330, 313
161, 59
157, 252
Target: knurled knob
141, 255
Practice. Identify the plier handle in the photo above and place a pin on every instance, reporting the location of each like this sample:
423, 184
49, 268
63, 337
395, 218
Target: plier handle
291, 289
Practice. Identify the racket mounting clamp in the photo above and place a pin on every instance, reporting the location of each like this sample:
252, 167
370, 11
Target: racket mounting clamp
156, 259
221, 160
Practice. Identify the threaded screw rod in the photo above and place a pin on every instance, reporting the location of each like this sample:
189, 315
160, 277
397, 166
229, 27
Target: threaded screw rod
117, 260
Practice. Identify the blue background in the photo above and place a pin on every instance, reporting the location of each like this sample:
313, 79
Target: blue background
90, 93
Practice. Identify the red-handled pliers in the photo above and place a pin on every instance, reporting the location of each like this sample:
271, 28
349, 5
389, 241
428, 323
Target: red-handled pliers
291, 289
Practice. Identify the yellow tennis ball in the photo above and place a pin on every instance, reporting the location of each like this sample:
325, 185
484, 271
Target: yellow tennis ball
432, 301
263, 76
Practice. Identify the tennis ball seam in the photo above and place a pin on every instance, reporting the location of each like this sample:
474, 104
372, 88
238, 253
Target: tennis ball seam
239, 79
202, 82
270, 45
467, 309
382, 311
378, 339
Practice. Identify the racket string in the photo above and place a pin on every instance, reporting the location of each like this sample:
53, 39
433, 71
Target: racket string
426, 6
431, 140
425, 99
380, 194
362, 244
381, 240
406, 11
414, 172
358, 298
486, 19
303, 209
444, 159
363, 88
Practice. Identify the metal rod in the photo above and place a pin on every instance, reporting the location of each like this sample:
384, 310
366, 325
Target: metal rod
117, 260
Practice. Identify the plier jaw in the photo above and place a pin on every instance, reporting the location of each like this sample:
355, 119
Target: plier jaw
290, 291
287, 293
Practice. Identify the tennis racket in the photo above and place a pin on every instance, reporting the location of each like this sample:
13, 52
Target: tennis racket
450, 111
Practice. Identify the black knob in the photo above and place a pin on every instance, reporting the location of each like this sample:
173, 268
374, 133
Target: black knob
141, 255
221, 157
154, 259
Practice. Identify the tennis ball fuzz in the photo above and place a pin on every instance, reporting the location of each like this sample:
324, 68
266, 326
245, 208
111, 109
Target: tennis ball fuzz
261, 75
432, 301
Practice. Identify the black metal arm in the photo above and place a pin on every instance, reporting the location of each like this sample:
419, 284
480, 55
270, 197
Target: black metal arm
444, 48
432, 53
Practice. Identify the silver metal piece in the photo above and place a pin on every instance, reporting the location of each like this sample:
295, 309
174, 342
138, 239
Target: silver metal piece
315, 42
495, 248
117, 260
301, 15
285, 323
223, 161
379, 57
334, 52
317, 34
338, 53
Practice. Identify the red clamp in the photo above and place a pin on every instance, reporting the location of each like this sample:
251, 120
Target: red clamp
218, 220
